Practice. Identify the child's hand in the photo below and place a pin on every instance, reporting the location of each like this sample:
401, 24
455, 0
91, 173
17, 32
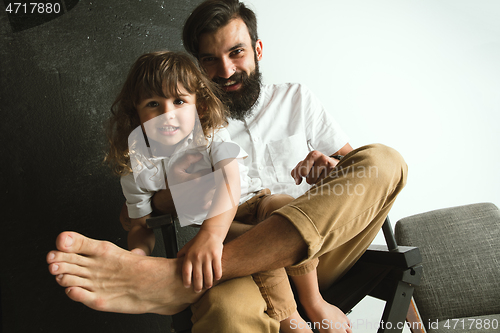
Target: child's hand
202, 261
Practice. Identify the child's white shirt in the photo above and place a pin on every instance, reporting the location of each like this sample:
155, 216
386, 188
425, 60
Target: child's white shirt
148, 176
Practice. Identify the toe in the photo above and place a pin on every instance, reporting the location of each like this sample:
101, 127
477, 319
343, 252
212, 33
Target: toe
68, 280
72, 242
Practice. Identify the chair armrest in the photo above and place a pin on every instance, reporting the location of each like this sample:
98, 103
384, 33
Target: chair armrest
159, 221
403, 257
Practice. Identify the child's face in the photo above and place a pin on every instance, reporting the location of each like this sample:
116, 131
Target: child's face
168, 120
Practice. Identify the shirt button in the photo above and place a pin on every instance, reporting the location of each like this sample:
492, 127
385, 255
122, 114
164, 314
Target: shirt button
255, 139
261, 168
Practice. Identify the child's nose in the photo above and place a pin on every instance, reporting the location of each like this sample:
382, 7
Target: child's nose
169, 112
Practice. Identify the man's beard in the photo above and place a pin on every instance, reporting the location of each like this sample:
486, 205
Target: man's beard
240, 102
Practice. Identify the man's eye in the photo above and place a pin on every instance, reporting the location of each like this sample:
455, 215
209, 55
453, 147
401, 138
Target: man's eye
236, 52
208, 59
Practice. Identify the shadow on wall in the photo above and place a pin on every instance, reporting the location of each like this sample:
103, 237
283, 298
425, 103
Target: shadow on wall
60, 74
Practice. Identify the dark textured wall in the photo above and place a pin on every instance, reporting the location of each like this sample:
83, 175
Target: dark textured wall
58, 80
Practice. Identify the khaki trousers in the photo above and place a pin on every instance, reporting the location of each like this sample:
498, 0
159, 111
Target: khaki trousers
338, 219
274, 285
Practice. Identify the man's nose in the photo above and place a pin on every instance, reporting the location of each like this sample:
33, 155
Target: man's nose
226, 69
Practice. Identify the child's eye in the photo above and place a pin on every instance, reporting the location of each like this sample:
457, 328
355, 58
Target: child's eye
152, 104
179, 102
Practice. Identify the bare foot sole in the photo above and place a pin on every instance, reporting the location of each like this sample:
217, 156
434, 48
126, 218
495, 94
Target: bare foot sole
105, 277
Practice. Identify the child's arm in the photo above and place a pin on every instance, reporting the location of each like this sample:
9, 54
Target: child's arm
141, 239
202, 263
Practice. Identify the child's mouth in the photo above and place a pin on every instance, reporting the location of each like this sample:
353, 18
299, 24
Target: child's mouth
168, 130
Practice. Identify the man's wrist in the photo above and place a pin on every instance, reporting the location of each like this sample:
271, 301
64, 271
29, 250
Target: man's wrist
337, 157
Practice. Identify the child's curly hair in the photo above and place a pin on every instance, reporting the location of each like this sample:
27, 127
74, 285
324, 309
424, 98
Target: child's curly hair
159, 73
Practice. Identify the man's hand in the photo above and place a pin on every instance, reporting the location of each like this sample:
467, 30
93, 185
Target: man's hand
202, 260
314, 167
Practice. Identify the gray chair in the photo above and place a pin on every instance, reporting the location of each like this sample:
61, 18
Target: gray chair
460, 247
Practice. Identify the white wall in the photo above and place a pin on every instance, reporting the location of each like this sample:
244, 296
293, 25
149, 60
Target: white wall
420, 76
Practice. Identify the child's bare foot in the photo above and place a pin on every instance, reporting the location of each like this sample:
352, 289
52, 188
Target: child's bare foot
330, 318
105, 277
294, 323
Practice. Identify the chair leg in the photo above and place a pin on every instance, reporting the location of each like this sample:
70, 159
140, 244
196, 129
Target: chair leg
414, 320
393, 318
181, 322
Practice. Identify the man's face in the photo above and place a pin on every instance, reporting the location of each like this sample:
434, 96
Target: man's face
230, 60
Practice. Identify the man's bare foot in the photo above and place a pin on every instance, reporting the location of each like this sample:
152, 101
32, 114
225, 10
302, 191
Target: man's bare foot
105, 277
330, 318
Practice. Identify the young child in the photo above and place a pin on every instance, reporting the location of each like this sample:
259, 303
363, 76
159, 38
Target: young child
167, 110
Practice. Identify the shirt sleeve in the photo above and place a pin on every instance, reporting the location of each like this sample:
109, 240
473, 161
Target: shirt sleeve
138, 199
222, 147
323, 132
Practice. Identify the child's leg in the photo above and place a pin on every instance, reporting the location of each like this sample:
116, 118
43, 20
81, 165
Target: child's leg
323, 315
235, 230
269, 204
273, 285
276, 291
254, 211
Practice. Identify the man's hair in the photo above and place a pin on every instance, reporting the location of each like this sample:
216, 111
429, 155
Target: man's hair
211, 15
160, 73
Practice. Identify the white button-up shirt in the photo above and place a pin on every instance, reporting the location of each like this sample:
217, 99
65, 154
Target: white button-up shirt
286, 123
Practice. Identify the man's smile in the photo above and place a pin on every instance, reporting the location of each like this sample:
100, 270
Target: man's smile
231, 85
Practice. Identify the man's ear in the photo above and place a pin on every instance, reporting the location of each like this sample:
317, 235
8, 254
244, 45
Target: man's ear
258, 49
